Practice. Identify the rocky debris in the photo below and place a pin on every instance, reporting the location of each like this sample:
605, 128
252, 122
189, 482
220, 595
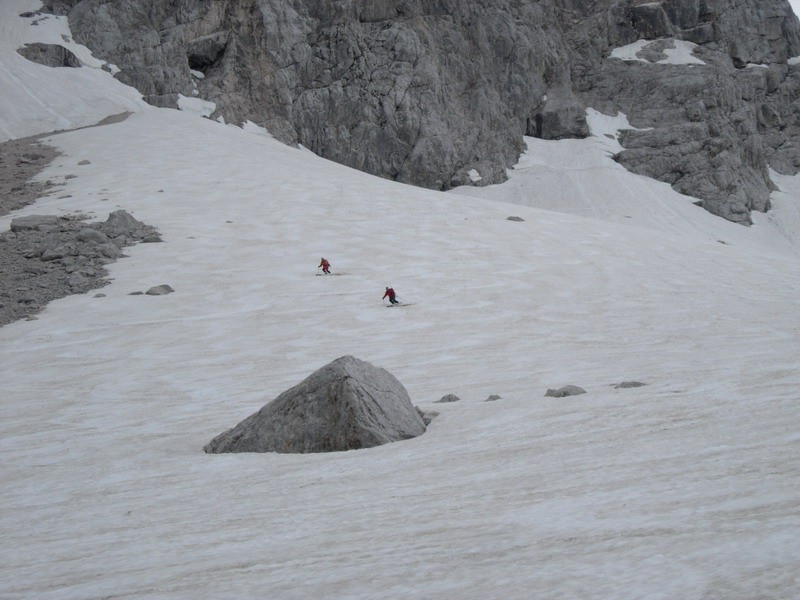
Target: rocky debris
629, 384
567, 390
45, 257
448, 398
518, 219
49, 55
159, 290
427, 416
34, 223
425, 93
20, 161
492, 398
346, 405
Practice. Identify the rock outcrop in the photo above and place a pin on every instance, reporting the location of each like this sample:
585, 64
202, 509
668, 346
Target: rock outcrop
563, 392
45, 257
440, 93
346, 405
448, 398
49, 55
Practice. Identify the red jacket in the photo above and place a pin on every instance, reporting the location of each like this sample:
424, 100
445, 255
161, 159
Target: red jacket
324, 264
390, 293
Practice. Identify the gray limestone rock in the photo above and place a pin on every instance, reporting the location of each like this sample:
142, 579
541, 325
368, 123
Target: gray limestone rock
34, 223
425, 92
91, 235
20, 161
346, 405
47, 257
159, 290
123, 223
50, 55
567, 390
492, 398
629, 384
448, 398
108, 250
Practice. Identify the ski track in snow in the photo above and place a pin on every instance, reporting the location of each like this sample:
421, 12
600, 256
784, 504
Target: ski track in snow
686, 488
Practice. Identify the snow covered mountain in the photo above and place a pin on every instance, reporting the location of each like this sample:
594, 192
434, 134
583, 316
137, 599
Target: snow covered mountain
440, 94
685, 488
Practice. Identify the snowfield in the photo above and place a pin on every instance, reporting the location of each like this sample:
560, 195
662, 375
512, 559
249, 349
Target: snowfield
685, 488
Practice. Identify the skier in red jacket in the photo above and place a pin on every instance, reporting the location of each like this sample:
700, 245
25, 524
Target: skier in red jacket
391, 295
326, 266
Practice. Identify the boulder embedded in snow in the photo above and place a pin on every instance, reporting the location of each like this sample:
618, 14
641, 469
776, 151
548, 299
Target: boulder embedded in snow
492, 398
123, 226
159, 290
448, 398
629, 384
346, 405
567, 390
518, 219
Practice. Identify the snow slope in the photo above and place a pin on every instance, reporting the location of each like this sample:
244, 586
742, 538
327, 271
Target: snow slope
686, 488
579, 177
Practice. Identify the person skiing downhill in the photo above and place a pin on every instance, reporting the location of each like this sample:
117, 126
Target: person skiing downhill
326, 266
391, 295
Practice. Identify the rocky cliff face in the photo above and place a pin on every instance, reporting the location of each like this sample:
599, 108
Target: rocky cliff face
425, 91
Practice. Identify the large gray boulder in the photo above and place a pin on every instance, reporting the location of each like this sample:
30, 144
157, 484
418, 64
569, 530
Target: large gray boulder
346, 405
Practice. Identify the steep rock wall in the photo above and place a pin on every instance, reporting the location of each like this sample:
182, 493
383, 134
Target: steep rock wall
424, 91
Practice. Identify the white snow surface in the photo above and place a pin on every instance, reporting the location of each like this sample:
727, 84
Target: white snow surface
28, 104
685, 488
196, 106
681, 54
474, 175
